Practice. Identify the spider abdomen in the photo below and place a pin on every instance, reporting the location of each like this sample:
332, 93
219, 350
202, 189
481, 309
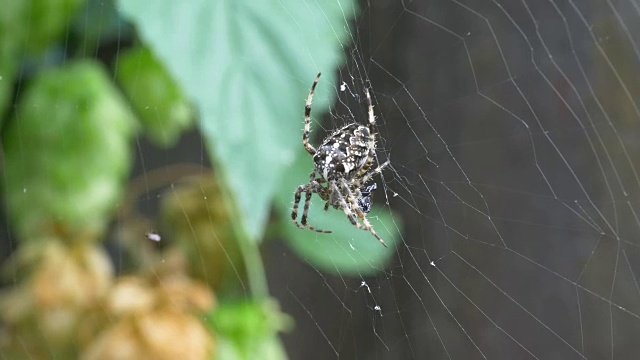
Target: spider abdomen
344, 153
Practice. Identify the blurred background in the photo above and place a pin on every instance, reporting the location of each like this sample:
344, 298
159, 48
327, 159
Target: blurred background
150, 155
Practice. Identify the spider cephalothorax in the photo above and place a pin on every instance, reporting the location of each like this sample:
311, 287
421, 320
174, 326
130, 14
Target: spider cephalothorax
342, 167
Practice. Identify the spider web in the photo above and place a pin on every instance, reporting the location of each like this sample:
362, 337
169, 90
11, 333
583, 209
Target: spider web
512, 129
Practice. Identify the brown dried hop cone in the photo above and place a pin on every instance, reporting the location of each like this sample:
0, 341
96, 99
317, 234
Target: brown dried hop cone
59, 287
198, 220
157, 316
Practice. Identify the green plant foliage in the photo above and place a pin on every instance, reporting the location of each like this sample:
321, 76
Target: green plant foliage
27, 27
99, 22
66, 153
33, 24
8, 66
161, 107
9, 55
248, 65
248, 330
347, 250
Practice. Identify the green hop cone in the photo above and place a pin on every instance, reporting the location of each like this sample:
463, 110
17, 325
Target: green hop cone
160, 104
67, 154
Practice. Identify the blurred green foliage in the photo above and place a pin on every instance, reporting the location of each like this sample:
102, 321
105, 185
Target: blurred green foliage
156, 98
247, 330
27, 28
66, 153
244, 66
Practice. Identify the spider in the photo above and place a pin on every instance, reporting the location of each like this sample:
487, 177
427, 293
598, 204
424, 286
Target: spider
342, 165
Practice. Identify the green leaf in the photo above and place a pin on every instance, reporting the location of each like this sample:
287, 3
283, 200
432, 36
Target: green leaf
347, 250
269, 348
157, 100
248, 65
248, 330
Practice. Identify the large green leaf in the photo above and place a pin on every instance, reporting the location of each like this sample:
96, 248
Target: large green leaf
248, 65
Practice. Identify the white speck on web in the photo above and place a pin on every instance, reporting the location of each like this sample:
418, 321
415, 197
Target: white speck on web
153, 236
364, 284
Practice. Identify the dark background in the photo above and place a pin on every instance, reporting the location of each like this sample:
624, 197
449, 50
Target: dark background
515, 147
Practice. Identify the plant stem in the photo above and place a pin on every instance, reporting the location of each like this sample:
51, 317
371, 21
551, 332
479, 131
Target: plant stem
248, 247
254, 266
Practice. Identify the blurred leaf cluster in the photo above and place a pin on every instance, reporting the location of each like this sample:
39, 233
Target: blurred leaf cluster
79, 81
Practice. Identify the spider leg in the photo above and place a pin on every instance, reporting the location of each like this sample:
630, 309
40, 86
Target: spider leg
345, 206
367, 226
352, 204
364, 179
296, 203
308, 190
351, 198
307, 119
305, 212
372, 118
